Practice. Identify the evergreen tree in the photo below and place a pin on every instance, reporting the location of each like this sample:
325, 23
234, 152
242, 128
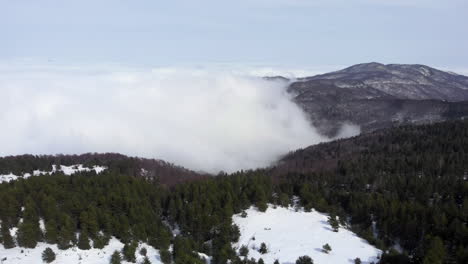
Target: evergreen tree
48, 255
28, 234
83, 241
116, 258
244, 251
165, 256
435, 251
276, 261
263, 248
357, 261
129, 251
7, 240
260, 261
51, 232
304, 260
334, 223
326, 248
146, 261
100, 241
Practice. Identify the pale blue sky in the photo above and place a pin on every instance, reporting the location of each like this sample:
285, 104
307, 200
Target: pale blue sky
297, 33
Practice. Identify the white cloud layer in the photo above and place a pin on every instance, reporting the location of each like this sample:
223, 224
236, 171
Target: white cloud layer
203, 120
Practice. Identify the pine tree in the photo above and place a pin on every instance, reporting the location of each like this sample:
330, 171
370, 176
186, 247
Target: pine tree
116, 258
51, 232
129, 251
146, 261
435, 252
334, 223
326, 248
304, 260
83, 241
244, 251
357, 261
100, 241
165, 256
28, 234
263, 248
260, 261
7, 240
48, 255
276, 261
66, 233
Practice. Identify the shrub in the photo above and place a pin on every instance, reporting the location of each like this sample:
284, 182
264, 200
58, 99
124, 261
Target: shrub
326, 248
263, 248
48, 255
304, 260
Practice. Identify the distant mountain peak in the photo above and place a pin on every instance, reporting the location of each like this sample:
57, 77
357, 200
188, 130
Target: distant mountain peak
374, 95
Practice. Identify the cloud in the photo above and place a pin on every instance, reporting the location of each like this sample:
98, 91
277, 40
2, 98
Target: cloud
202, 119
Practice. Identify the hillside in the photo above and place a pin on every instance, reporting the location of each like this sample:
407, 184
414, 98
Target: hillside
156, 170
402, 190
376, 96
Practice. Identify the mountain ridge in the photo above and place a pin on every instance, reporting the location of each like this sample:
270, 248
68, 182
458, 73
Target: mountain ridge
375, 96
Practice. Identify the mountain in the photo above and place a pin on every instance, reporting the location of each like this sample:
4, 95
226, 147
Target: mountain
402, 81
375, 96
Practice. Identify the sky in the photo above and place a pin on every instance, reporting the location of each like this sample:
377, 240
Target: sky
302, 34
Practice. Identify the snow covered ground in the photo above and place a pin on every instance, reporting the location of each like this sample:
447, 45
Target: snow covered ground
67, 170
289, 234
73, 255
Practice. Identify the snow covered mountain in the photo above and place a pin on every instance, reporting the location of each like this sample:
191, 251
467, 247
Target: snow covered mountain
376, 96
402, 81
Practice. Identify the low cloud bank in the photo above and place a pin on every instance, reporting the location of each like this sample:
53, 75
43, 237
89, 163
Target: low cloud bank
203, 120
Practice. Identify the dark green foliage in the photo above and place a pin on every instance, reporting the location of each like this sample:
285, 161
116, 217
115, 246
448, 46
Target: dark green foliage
129, 251
51, 233
435, 251
165, 256
394, 258
260, 261
244, 251
29, 234
7, 240
143, 251
357, 261
48, 255
304, 260
326, 248
263, 248
83, 241
116, 258
146, 261
334, 223
184, 251
100, 241
276, 261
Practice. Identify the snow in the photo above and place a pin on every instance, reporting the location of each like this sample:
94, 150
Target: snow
8, 177
73, 255
67, 170
290, 234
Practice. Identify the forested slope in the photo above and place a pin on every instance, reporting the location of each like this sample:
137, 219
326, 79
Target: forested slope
404, 188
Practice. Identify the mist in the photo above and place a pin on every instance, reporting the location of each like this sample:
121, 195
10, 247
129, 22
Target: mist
204, 120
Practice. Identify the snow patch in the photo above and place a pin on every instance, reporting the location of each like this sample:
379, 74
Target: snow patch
74, 255
67, 170
290, 234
